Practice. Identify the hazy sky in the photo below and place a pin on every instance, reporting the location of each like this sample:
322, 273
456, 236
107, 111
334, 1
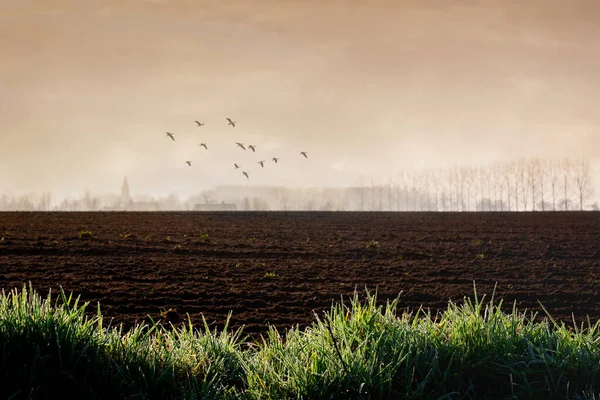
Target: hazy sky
88, 89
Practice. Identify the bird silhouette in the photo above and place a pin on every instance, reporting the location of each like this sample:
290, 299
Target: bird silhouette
246, 174
240, 145
304, 154
230, 122
203, 145
275, 159
199, 123
262, 163
252, 147
236, 166
189, 163
171, 135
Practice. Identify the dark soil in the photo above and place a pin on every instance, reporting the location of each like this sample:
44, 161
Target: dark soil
279, 268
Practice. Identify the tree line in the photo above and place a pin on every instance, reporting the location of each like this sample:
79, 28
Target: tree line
525, 184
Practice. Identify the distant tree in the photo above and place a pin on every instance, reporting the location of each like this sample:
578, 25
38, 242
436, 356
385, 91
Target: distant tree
532, 176
482, 176
88, 202
361, 191
462, 182
389, 193
513, 172
435, 187
328, 206
542, 172
452, 189
246, 204
506, 175
425, 189
582, 177
522, 178
566, 167
471, 187
173, 202
259, 204
497, 187
406, 183
372, 195
362, 196
45, 201
420, 184
283, 198
207, 196
552, 170
380, 190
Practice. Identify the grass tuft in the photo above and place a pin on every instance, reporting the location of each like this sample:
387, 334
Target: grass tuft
360, 349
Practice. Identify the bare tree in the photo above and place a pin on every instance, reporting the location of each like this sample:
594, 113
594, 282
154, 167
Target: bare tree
522, 178
443, 186
380, 187
414, 181
552, 171
45, 201
397, 187
566, 166
506, 171
469, 178
513, 171
418, 188
462, 182
499, 184
283, 198
389, 193
372, 195
532, 176
582, 177
482, 177
405, 181
542, 174
435, 185
453, 182
362, 192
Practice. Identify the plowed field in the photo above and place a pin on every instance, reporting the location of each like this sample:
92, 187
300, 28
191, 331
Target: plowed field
279, 267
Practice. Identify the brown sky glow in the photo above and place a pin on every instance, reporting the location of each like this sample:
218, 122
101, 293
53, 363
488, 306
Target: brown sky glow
88, 89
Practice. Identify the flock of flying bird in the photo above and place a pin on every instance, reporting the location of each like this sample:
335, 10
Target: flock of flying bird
232, 123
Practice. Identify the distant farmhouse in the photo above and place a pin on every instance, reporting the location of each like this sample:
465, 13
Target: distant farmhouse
215, 207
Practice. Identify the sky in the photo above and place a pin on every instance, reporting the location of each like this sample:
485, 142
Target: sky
368, 88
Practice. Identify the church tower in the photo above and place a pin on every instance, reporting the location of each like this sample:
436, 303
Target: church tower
125, 197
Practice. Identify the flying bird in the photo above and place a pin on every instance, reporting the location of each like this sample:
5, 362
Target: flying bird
189, 163
199, 123
236, 166
252, 147
275, 159
171, 135
246, 174
203, 145
304, 154
240, 145
262, 163
232, 123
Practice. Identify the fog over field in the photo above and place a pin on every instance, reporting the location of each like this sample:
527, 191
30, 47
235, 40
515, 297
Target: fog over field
89, 88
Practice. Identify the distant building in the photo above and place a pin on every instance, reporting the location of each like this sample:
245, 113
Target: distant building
215, 207
125, 196
143, 206
125, 202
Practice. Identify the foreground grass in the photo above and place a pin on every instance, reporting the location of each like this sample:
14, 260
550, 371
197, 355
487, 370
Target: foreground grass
357, 350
